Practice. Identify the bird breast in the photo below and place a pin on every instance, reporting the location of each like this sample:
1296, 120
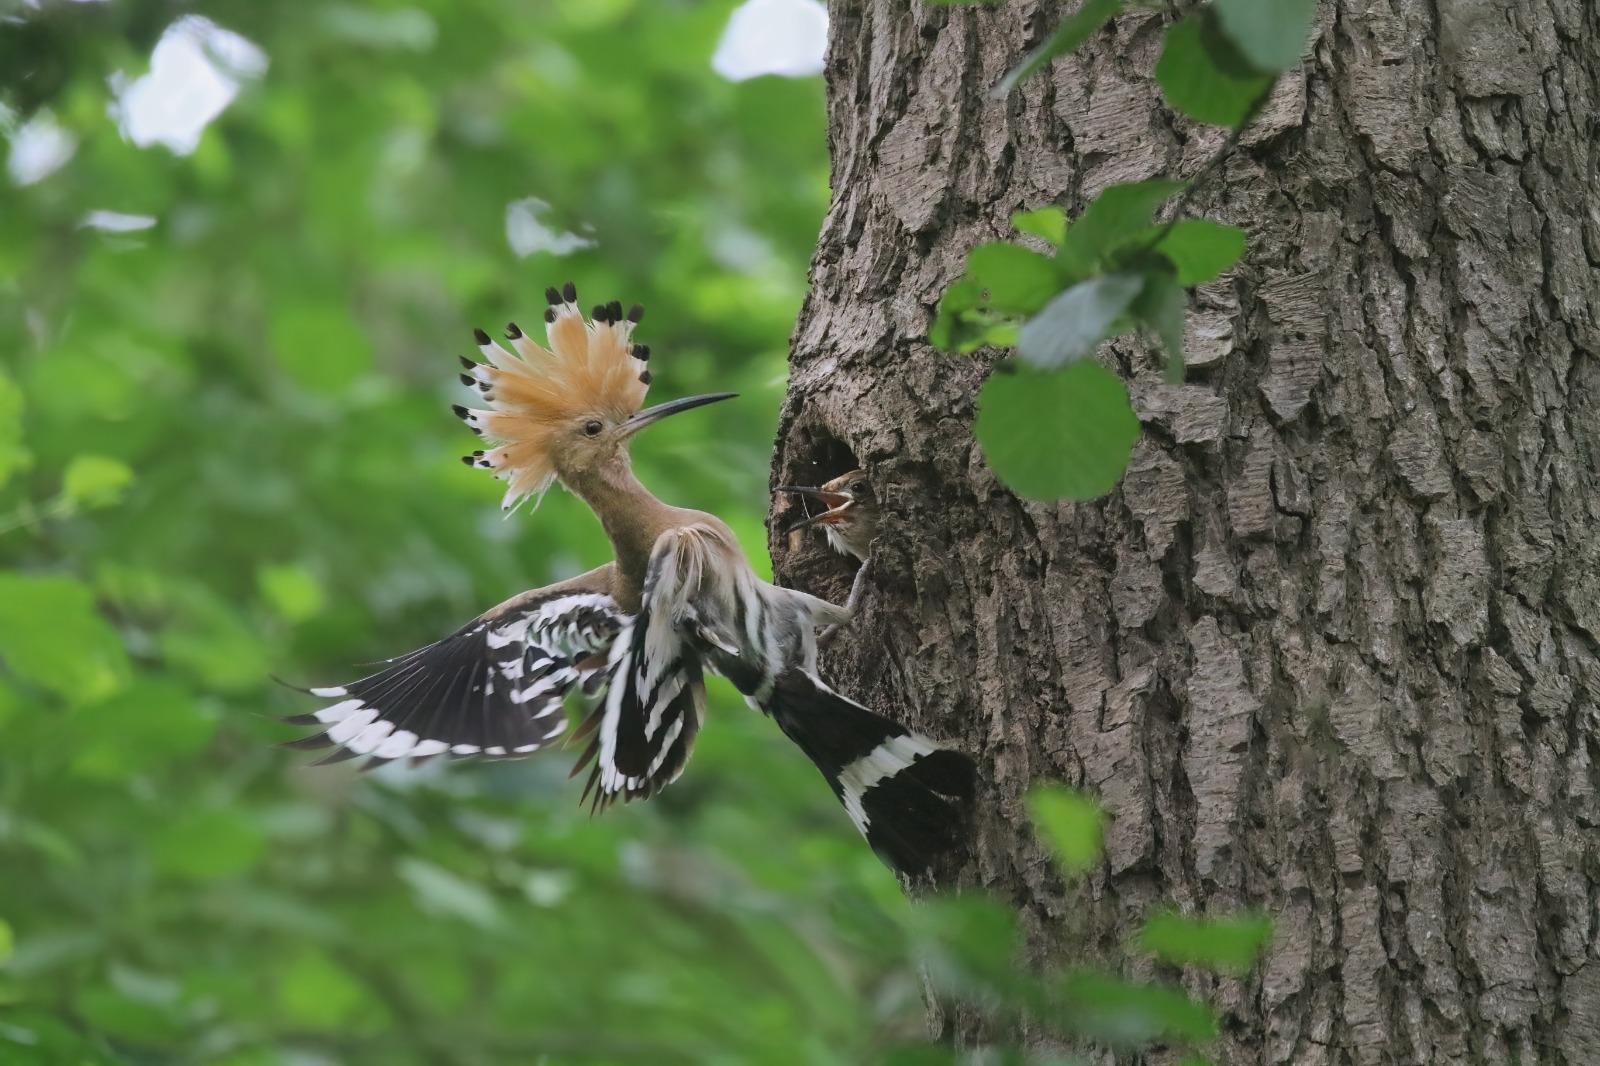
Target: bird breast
849, 538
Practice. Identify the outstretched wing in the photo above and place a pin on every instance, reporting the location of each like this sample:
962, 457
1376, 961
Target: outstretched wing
642, 732
492, 689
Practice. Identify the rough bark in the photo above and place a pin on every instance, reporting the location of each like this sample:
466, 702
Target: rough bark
1333, 647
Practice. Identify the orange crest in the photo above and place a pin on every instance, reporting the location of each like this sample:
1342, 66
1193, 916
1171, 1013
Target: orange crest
591, 368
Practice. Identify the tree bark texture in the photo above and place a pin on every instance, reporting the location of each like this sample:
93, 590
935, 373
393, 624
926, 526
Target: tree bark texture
1333, 647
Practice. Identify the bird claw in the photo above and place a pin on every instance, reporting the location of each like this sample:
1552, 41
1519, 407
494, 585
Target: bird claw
851, 604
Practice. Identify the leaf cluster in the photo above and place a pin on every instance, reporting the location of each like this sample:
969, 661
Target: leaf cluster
1062, 427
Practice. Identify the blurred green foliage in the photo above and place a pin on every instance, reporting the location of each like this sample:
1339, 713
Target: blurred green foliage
225, 452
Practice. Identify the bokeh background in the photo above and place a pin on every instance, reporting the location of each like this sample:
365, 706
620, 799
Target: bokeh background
241, 247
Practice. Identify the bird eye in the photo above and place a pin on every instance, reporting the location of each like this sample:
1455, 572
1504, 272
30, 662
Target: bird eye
593, 427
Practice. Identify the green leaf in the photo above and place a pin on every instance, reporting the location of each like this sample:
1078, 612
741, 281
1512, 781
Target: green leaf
1065, 434
1075, 322
8, 941
127, 1017
208, 843
320, 346
13, 456
1073, 31
1129, 1014
1201, 249
1119, 212
318, 994
1017, 281
292, 590
151, 722
1160, 309
1232, 943
1271, 34
51, 635
999, 335
96, 480
440, 891
213, 642
1047, 222
950, 330
1072, 825
965, 942
1196, 83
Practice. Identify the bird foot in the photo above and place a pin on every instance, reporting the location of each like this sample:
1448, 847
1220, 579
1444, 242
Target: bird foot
851, 604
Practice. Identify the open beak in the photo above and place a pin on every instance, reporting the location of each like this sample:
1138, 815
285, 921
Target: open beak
826, 518
651, 415
831, 499
837, 503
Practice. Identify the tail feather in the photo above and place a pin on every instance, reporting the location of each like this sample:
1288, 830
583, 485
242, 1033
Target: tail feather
907, 795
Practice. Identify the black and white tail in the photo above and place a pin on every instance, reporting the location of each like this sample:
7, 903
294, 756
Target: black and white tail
907, 795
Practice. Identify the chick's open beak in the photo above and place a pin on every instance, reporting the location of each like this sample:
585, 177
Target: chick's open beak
830, 499
837, 504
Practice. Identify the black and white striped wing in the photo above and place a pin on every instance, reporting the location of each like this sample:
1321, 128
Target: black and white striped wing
641, 734
492, 689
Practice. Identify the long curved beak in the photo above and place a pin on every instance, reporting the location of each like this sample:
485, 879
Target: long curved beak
651, 415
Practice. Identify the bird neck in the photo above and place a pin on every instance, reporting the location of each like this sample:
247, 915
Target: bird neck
632, 517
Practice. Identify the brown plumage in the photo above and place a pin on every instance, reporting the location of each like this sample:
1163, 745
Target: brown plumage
679, 599
540, 397
849, 519
849, 523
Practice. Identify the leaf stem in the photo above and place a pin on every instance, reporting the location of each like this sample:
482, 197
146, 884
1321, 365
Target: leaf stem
1211, 166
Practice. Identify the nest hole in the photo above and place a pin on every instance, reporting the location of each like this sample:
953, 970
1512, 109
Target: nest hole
804, 560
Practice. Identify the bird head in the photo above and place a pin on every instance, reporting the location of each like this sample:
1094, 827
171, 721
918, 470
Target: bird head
850, 514
566, 411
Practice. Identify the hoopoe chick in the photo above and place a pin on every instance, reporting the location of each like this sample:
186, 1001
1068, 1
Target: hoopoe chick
849, 519
679, 599
849, 522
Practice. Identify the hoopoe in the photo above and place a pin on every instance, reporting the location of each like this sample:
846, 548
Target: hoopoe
849, 518
680, 598
849, 522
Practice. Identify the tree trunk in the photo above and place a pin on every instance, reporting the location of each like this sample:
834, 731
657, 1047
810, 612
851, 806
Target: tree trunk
1333, 647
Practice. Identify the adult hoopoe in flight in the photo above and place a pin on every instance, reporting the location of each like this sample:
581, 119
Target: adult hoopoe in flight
680, 598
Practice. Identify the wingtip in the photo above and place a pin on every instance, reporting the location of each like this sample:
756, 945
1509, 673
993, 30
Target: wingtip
315, 742
323, 692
